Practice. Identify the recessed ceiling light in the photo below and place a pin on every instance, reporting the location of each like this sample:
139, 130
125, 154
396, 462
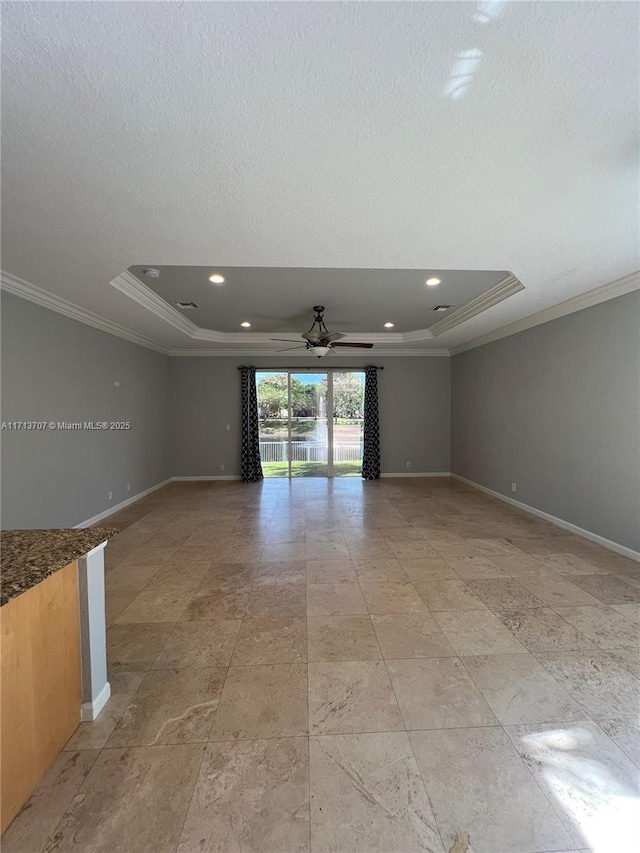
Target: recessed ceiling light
433, 281
152, 272
388, 325
245, 325
216, 278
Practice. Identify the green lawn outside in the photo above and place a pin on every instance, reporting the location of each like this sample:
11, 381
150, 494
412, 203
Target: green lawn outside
311, 469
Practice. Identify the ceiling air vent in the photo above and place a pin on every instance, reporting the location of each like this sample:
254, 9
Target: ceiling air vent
442, 307
186, 306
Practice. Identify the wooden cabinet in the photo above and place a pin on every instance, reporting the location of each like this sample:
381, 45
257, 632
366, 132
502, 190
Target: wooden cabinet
40, 682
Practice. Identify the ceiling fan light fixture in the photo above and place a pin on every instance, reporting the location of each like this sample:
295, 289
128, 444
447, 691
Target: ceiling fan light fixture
319, 340
319, 351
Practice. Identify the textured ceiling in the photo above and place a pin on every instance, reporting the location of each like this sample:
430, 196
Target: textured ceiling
372, 135
280, 300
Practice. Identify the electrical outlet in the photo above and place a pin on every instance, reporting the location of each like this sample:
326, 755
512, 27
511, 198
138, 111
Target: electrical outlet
128, 487
408, 464
222, 467
110, 496
514, 488
117, 383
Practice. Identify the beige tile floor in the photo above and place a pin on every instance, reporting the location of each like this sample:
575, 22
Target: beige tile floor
394, 666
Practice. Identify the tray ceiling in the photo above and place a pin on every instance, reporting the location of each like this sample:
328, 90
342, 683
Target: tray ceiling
340, 136
280, 299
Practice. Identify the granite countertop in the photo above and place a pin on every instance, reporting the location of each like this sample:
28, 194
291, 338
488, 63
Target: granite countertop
29, 556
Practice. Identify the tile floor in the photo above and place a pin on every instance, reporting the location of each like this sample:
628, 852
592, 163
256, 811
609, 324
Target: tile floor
394, 666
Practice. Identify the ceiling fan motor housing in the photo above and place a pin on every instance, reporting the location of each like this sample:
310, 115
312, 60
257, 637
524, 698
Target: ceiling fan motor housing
320, 340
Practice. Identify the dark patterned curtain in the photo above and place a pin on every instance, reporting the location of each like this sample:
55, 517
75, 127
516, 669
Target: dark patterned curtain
371, 448
250, 467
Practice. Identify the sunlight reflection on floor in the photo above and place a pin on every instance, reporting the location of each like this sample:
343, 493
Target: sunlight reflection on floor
604, 808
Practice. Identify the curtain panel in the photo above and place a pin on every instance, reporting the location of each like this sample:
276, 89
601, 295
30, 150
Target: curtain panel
371, 443
250, 464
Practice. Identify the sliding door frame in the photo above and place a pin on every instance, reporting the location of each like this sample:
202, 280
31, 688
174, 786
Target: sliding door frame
329, 424
289, 424
328, 371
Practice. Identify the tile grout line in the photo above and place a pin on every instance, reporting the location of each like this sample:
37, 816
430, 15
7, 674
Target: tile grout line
568, 825
195, 785
233, 651
246, 617
69, 804
422, 780
402, 717
308, 720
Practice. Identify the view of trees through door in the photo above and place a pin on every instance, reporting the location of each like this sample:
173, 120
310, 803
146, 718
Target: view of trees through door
297, 436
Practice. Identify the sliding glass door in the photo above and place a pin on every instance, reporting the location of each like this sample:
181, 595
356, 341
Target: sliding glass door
309, 444
298, 436
273, 416
348, 422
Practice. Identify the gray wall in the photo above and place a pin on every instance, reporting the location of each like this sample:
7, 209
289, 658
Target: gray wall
56, 369
414, 395
556, 409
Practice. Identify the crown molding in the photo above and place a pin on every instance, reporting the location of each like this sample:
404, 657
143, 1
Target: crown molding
247, 353
505, 288
32, 293
619, 287
131, 285
127, 283
417, 335
243, 338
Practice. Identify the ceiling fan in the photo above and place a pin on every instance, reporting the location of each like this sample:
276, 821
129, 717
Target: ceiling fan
318, 339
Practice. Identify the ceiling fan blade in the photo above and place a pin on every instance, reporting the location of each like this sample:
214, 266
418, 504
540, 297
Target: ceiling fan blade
288, 349
286, 340
322, 340
343, 344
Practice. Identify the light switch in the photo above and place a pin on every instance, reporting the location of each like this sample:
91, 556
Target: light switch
228, 427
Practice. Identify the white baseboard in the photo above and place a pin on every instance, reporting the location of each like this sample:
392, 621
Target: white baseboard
419, 474
107, 512
559, 522
205, 479
237, 477
113, 509
90, 710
